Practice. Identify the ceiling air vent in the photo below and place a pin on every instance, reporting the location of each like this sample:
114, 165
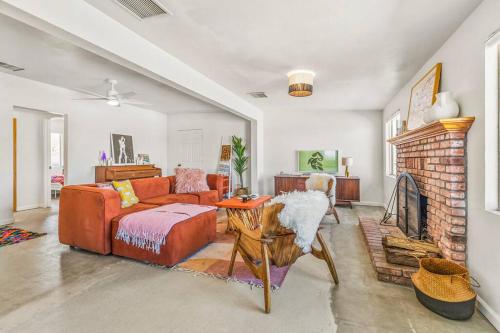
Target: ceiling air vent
144, 8
258, 94
10, 67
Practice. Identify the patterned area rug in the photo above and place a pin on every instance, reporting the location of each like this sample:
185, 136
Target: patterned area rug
213, 260
10, 235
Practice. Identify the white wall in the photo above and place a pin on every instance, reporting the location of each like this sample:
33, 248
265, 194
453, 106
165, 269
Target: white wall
89, 126
215, 125
30, 159
464, 74
353, 133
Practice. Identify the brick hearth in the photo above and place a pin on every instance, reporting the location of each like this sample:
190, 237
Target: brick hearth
435, 156
387, 272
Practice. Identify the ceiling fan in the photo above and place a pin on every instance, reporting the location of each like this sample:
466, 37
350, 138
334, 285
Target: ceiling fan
112, 97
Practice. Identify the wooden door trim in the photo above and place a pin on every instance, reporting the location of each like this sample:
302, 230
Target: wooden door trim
14, 164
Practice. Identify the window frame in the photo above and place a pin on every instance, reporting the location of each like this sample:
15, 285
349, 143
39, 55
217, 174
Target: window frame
492, 124
392, 126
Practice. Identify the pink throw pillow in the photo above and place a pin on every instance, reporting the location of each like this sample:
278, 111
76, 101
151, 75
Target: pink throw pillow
190, 180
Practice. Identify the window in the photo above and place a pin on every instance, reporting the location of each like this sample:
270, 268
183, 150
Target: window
391, 130
492, 123
55, 149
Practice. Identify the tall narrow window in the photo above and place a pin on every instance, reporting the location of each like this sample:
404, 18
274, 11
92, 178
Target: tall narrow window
391, 130
492, 123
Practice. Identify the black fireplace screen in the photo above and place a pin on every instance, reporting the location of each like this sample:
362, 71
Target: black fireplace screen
411, 207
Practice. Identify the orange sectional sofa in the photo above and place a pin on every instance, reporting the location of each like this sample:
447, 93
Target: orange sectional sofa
88, 214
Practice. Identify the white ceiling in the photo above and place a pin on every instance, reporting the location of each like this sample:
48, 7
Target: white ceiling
363, 51
52, 60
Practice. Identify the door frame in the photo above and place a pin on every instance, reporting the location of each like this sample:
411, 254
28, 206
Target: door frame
14, 164
47, 197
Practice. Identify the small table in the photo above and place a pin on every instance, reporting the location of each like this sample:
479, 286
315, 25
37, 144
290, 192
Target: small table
248, 212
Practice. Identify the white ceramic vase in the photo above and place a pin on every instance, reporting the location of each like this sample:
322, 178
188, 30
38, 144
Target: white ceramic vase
446, 106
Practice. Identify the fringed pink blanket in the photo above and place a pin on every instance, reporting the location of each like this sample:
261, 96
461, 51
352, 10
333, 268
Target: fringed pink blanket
148, 229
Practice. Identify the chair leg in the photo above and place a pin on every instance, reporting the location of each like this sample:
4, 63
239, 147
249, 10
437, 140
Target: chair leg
327, 257
233, 255
334, 211
265, 277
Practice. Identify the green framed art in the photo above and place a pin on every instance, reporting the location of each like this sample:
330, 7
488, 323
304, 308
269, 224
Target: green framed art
318, 161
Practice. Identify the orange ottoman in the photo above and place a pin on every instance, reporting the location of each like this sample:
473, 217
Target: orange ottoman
184, 239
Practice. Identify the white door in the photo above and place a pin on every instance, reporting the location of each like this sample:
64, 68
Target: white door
190, 148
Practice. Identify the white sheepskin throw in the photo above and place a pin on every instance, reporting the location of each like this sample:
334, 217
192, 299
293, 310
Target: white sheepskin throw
319, 182
302, 213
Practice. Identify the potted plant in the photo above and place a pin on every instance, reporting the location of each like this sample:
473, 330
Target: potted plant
240, 162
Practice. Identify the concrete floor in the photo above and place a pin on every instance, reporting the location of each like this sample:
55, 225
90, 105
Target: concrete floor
46, 287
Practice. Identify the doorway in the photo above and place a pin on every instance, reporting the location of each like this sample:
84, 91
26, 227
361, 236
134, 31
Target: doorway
39, 155
190, 148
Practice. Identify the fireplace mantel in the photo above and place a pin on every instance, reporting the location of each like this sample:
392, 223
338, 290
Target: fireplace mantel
438, 127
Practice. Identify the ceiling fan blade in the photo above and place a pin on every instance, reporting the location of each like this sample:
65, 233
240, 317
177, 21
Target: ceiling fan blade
88, 92
138, 103
91, 99
126, 95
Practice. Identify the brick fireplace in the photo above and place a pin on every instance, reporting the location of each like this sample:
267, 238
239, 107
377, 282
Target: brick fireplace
435, 156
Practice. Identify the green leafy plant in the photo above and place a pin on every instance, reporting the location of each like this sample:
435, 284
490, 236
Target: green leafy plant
316, 161
240, 157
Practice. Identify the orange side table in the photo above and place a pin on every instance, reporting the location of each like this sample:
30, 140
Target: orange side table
248, 212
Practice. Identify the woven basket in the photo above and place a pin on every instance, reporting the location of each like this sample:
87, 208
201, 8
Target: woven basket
444, 287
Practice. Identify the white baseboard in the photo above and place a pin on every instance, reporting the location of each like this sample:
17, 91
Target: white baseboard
28, 207
368, 203
6, 221
489, 313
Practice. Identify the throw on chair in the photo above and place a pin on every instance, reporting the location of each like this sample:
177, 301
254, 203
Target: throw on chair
325, 183
269, 243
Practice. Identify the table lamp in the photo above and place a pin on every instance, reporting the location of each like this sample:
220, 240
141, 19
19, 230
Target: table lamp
347, 162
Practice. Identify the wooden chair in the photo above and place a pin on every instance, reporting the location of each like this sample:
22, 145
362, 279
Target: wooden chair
269, 243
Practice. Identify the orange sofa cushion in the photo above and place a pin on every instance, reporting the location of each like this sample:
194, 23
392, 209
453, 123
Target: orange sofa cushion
172, 198
147, 188
208, 197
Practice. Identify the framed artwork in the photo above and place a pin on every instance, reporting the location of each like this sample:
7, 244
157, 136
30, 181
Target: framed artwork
225, 153
318, 161
423, 95
122, 149
143, 158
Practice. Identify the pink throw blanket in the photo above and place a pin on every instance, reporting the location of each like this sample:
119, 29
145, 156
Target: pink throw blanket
148, 229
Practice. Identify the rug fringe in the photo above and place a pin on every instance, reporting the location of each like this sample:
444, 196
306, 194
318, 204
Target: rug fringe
213, 275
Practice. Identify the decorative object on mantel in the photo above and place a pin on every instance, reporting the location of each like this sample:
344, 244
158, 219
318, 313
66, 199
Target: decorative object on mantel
423, 96
404, 126
444, 287
240, 161
347, 162
445, 107
300, 83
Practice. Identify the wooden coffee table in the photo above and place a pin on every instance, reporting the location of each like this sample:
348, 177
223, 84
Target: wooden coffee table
248, 212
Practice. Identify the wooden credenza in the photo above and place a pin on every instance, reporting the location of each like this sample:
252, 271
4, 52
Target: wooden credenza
347, 190
121, 172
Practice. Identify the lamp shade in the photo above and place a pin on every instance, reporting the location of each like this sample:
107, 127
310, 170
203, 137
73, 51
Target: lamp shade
347, 161
300, 83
